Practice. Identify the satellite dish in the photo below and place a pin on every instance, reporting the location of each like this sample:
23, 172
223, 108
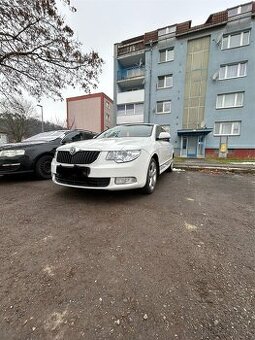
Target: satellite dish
215, 76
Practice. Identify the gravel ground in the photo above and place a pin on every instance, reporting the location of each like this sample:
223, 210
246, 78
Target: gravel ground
178, 264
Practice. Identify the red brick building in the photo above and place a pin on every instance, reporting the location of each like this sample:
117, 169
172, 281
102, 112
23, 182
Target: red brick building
90, 112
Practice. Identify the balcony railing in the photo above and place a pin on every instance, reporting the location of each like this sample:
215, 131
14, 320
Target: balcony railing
130, 48
131, 73
130, 97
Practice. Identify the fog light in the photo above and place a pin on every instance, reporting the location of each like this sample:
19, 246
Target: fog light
125, 180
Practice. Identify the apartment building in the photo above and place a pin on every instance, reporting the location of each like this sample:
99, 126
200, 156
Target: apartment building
92, 112
196, 81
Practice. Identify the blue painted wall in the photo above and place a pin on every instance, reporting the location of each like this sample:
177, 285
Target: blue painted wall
217, 57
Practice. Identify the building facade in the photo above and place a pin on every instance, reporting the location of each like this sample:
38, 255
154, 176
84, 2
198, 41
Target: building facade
195, 81
92, 112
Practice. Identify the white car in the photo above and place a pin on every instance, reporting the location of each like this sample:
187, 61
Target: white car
125, 157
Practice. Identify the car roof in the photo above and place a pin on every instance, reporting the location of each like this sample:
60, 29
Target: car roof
131, 124
68, 130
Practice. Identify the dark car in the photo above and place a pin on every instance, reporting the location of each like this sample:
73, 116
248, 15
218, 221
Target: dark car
34, 154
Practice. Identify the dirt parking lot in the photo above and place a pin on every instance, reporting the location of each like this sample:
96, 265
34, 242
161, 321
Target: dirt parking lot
178, 264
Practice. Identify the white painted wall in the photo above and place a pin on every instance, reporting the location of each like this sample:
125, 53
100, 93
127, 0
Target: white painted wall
129, 119
130, 97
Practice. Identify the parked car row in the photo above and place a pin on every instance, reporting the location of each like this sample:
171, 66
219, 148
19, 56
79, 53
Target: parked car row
124, 157
34, 154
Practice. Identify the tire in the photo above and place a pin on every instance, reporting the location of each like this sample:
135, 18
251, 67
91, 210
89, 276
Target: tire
152, 175
43, 167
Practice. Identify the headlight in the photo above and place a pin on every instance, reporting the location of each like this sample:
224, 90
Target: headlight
11, 153
123, 155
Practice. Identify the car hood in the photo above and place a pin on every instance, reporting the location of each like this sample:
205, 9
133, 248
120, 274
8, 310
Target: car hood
21, 145
109, 144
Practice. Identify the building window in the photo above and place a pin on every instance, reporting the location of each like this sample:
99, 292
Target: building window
130, 109
121, 110
229, 100
239, 10
166, 55
163, 107
165, 81
233, 71
227, 128
167, 30
235, 40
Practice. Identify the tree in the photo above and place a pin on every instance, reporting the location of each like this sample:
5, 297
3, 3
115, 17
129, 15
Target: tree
38, 51
18, 119
15, 114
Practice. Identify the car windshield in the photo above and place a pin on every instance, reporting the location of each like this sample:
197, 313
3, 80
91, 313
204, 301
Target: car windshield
46, 136
127, 131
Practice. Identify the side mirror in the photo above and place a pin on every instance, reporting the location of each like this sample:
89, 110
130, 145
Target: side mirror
164, 136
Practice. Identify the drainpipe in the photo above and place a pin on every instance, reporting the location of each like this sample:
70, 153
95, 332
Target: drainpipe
150, 77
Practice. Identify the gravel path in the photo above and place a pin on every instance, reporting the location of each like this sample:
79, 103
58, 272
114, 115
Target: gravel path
178, 264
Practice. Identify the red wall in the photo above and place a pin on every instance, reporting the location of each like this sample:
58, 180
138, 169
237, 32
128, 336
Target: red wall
232, 153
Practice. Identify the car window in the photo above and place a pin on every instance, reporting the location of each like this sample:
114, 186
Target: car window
76, 136
87, 135
73, 136
122, 131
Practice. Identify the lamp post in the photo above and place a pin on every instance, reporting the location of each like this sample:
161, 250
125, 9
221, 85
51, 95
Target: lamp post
41, 115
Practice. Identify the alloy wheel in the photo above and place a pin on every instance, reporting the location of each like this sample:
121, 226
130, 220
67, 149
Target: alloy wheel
152, 175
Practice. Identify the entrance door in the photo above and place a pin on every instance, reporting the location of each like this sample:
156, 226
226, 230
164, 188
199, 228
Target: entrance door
192, 146
200, 147
183, 151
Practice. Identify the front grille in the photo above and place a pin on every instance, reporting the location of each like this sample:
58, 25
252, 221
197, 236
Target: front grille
80, 157
78, 176
86, 182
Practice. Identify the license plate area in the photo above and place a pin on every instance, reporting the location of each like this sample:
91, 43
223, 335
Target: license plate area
75, 171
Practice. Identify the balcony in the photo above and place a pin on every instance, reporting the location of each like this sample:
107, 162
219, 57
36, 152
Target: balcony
131, 53
130, 112
130, 97
131, 73
131, 48
132, 77
125, 119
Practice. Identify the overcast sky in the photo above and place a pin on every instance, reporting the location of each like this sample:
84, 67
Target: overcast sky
99, 24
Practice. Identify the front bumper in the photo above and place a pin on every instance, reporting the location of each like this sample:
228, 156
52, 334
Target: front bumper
103, 173
15, 165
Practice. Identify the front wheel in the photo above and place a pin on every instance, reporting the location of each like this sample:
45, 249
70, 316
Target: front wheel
152, 175
43, 167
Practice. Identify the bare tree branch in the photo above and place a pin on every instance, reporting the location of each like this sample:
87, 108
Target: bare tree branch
38, 51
